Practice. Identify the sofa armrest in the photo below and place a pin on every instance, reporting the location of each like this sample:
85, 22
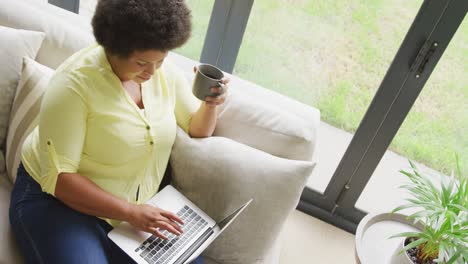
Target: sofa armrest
263, 119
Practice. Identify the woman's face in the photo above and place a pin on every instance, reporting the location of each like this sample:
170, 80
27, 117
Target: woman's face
139, 66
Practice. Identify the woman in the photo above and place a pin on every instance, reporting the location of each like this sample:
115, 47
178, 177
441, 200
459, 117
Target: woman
106, 127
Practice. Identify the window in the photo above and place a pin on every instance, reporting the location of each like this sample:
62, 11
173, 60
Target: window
435, 129
201, 12
331, 55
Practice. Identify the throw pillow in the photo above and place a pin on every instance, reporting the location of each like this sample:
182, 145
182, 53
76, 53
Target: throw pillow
14, 45
219, 174
25, 110
66, 32
265, 127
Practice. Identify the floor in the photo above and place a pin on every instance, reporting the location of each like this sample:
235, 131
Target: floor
309, 240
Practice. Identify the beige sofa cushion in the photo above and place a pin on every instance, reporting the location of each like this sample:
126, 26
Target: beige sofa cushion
219, 174
64, 36
25, 111
265, 127
14, 45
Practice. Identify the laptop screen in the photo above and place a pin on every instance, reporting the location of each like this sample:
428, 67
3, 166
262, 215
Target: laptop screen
222, 223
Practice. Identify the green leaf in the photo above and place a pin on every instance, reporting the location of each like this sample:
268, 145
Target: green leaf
399, 208
465, 255
415, 243
461, 207
453, 258
406, 234
418, 214
441, 253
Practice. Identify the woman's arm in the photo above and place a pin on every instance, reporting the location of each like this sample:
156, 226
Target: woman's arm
204, 120
83, 195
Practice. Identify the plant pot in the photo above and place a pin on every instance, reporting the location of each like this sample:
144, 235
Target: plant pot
403, 257
399, 257
372, 243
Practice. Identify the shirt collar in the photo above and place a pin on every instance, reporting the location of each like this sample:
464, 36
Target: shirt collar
102, 58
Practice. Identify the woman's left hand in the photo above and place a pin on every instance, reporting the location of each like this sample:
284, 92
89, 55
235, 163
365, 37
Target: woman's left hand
222, 91
214, 101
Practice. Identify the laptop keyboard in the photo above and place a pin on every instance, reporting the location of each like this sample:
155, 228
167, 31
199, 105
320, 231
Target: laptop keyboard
158, 251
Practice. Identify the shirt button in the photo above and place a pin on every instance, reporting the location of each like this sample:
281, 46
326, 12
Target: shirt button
147, 127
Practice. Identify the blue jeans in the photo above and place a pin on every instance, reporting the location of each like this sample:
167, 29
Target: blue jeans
48, 231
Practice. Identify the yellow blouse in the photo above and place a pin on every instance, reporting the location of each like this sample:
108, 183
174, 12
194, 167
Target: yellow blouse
88, 124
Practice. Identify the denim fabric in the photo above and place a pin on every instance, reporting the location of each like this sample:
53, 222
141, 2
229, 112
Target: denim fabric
47, 231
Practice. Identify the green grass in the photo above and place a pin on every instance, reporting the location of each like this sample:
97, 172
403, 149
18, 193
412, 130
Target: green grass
334, 54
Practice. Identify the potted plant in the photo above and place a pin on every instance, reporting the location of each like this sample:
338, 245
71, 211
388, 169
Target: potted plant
443, 213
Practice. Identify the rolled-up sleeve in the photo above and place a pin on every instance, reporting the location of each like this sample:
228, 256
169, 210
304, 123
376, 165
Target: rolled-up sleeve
186, 103
62, 128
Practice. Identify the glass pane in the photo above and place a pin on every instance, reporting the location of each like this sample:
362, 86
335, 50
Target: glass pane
435, 129
331, 55
201, 13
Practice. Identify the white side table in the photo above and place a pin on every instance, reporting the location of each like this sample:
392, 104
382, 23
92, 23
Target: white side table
372, 242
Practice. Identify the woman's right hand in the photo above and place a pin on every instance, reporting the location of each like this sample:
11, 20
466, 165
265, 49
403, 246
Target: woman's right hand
149, 218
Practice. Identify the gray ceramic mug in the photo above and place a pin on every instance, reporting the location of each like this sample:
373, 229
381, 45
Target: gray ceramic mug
207, 77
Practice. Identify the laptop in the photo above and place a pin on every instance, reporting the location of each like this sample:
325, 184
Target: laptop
200, 230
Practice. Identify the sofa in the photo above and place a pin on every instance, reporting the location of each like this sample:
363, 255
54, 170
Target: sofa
262, 147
